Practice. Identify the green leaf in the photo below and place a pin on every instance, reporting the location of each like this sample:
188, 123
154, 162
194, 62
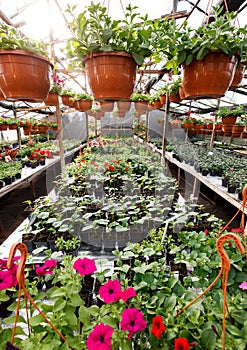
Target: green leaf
170, 303
36, 320
138, 58
59, 305
208, 339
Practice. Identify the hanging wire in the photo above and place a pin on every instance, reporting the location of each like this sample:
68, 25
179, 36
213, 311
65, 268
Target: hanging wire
122, 7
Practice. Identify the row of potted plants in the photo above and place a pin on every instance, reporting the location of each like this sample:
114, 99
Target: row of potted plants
107, 196
228, 166
96, 35
139, 301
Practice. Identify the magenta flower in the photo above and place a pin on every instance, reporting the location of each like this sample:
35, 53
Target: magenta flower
85, 266
100, 337
128, 293
132, 321
110, 291
47, 268
50, 264
6, 279
243, 285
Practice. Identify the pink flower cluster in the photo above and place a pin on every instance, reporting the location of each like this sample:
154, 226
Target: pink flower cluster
8, 276
111, 291
47, 268
132, 321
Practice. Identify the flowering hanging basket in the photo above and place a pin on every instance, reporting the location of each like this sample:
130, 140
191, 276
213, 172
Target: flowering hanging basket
111, 74
24, 75
209, 77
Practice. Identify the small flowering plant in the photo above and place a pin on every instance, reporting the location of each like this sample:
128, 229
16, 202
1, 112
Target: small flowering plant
57, 84
117, 167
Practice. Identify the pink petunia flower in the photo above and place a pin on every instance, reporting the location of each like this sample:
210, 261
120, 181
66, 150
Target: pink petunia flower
85, 266
6, 280
132, 321
100, 337
110, 291
50, 264
243, 285
128, 293
47, 268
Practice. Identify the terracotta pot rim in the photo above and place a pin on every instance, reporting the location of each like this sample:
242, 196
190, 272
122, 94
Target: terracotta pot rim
106, 53
25, 53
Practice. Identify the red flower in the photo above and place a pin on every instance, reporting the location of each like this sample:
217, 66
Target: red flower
110, 291
132, 321
158, 326
181, 344
100, 337
111, 168
128, 293
237, 230
206, 232
85, 266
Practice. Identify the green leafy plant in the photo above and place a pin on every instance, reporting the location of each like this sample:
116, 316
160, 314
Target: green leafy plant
94, 30
11, 38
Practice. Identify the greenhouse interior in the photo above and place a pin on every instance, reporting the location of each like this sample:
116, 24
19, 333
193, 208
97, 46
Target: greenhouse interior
123, 194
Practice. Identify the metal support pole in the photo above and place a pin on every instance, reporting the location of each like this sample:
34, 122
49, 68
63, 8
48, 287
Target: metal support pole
147, 125
165, 128
215, 121
18, 129
60, 137
87, 129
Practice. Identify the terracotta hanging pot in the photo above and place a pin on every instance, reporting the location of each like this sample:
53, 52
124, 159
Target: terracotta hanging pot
66, 100
227, 130
107, 106
163, 99
123, 106
174, 98
12, 126
111, 74
27, 130
210, 77
52, 99
238, 129
238, 76
188, 125
157, 104
218, 127
220, 132
3, 127
2, 98
244, 135
236, 135
229, 120
42, 129
141, 107
24, 76
181, 93
83, 105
